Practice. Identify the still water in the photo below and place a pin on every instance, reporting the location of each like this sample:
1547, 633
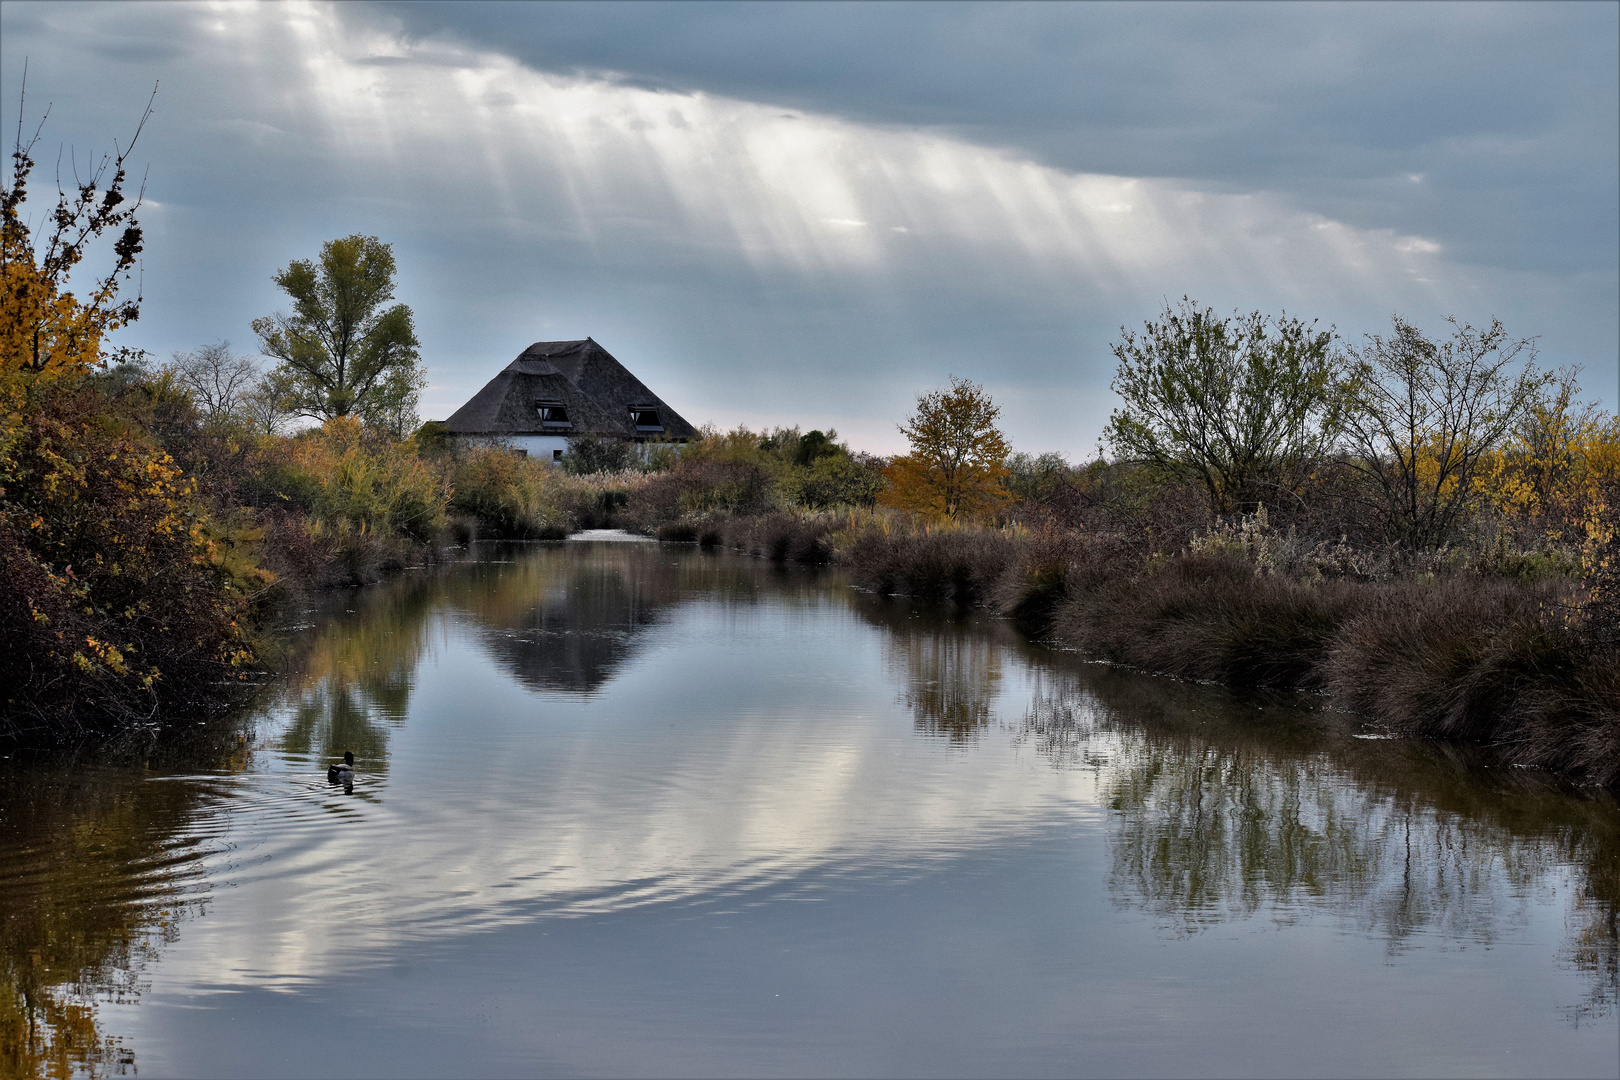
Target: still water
635, 809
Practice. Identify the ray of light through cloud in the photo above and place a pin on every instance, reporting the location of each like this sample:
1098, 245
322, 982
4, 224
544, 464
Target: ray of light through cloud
754, 263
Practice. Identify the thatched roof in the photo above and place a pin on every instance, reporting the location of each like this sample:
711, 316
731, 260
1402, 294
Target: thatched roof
599, 396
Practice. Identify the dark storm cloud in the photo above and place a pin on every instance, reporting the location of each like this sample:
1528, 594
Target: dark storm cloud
1505, 115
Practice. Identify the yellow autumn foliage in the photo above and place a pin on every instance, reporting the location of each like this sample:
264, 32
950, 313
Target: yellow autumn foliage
1559, 469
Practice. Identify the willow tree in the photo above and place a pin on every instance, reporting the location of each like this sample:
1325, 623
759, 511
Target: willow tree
1235, 404
958, 456
341, 352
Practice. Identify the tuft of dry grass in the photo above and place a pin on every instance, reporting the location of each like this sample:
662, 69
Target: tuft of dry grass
889, 552
1210, 618
780, 536
1487, 661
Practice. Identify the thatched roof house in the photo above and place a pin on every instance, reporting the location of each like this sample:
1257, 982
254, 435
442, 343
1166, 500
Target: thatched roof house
557, 390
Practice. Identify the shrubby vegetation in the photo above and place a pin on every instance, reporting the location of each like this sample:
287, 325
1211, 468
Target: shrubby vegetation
725, 476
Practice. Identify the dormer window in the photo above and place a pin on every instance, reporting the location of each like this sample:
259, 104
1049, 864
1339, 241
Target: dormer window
645, 419
553, 414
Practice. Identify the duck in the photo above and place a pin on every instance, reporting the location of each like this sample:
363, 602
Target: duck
342, 771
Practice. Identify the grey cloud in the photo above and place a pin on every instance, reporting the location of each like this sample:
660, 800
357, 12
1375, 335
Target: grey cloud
1508, 111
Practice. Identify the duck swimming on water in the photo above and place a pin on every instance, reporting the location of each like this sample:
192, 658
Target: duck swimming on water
343, 771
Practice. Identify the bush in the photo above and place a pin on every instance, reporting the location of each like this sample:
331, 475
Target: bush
834, 480
113, 598
1210, 618
514, 496
588, 454
893, 553
1485, 661
780, 536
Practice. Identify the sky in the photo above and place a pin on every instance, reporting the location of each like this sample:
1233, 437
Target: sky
788, 214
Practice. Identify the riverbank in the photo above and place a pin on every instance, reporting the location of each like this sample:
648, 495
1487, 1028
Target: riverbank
1526, 665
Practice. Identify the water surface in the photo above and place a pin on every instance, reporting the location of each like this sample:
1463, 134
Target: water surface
636, 809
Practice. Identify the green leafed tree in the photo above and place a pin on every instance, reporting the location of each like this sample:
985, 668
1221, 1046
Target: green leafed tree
341, 352
1235, 404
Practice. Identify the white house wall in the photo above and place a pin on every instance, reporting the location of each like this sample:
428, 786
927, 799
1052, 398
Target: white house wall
541, 447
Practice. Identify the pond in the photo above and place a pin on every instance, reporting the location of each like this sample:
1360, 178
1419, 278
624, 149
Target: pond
629, 808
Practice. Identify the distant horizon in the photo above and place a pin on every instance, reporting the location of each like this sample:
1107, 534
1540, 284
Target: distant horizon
789, 214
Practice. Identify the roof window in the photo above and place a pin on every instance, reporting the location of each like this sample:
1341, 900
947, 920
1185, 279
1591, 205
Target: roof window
553, 414
645, 419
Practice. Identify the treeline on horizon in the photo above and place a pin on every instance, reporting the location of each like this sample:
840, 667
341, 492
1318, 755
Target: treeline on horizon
1423, 526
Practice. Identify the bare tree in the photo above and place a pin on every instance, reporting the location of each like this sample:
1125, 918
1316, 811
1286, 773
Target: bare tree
1418, 416
218, 380
1235, 404
264, 409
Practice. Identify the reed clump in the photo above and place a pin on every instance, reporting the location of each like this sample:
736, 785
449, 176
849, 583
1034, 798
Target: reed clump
1478, 660
890, 552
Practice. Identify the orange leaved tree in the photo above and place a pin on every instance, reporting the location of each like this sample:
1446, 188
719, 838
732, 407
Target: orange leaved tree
958, 456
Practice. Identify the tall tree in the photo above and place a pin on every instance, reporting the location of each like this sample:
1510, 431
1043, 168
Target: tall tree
1234, 404
341, 352
958, 456
1420, 417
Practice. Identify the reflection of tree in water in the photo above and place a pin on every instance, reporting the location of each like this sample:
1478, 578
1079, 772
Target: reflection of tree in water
99, 867
951, 682
951, 669
352, 681
92, 882
1227, 808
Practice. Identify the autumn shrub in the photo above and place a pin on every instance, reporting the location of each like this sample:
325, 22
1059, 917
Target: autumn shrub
513, 496
596, 500
113, 596
703, 484
378, 485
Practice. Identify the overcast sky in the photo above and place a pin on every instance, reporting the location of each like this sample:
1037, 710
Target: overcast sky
785, 214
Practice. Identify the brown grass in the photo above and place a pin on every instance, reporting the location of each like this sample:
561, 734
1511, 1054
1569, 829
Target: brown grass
890, 553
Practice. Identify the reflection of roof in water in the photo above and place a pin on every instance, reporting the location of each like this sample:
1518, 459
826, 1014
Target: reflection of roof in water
575, 637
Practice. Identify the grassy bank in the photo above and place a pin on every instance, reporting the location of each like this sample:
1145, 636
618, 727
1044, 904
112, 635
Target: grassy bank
1454, 651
